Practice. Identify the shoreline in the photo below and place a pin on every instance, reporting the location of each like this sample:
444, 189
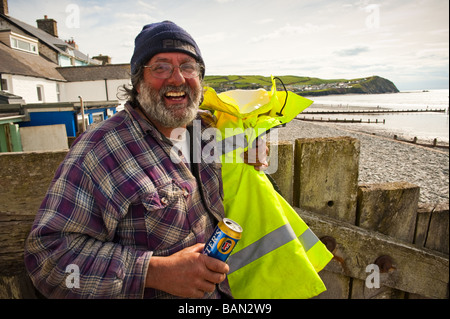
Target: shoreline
378, 130
375, 128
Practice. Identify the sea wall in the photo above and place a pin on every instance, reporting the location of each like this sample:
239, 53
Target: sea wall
365, 226
375, 231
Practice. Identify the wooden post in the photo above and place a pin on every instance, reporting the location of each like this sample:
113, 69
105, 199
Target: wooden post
438, 232
285, 161
326, 176
390, 209
432, 230
325, 183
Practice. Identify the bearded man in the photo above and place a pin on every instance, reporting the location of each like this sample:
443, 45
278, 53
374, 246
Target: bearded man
121, 219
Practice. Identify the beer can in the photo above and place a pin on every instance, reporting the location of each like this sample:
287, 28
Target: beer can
223, 240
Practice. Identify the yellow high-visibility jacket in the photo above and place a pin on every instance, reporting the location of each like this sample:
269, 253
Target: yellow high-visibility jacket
278, 255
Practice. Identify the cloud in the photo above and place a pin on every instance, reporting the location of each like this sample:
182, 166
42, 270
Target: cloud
328, 39
290, 30
352, 51
147, 5
212, 38
264, 21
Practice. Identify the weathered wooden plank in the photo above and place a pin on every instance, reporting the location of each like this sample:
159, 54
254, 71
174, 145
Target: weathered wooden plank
326, 182
438, 231
361, 291
17, 286
14, 230
326, 176
283, 153
432, 230
338, 285
25, 178
423, 223
420, 271
389, 208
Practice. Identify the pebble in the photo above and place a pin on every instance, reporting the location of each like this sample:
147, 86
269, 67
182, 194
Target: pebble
384, 159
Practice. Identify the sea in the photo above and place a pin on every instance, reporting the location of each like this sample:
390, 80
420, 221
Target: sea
423, 125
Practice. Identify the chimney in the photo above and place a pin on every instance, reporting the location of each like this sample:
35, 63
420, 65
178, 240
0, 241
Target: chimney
104, 58
4, 7
48, 25
72, 43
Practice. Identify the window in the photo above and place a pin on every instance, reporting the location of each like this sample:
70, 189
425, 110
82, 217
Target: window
40, 93
24, 45
58, 92
4, 85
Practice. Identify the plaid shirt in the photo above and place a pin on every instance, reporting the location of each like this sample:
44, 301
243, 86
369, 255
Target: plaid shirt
116, 200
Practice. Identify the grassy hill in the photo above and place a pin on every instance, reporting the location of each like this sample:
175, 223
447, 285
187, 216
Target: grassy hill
303, 85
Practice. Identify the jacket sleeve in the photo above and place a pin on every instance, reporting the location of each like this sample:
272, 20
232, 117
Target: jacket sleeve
70, 251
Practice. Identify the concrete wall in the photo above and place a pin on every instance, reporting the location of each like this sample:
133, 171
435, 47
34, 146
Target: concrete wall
44, 138
92, 90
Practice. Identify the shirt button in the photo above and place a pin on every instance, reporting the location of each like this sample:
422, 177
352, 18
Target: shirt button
164, 201
185, 192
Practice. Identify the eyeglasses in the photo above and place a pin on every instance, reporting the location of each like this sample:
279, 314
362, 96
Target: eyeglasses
163, 70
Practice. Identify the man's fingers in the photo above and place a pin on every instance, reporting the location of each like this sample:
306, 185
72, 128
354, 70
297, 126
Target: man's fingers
216, 265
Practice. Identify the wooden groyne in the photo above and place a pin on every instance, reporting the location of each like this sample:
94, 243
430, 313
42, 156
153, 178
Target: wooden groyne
415, 140
313, 119
365, 226
385, 245
380, 111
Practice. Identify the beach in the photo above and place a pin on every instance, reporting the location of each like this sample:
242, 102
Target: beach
383, 159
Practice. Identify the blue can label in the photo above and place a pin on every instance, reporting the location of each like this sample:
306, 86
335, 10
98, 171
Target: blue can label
220, 245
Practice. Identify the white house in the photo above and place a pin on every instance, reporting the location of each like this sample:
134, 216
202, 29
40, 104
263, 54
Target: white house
97, 83
41, 68
38, 68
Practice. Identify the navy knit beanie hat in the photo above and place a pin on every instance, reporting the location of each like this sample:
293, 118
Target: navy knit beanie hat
162, 37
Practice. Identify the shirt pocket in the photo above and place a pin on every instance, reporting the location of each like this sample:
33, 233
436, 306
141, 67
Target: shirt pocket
166, 217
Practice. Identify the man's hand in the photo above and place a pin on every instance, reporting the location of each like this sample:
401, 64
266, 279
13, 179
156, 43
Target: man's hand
187, 273
257, 157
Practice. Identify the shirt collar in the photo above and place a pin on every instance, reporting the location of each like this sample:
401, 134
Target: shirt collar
144, 126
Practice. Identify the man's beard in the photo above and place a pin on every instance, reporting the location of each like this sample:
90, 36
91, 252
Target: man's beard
175, 115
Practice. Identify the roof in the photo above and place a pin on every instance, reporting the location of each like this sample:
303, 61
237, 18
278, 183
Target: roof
95, 72
23, 63
7, 98
28, 64
53, 42
12, 113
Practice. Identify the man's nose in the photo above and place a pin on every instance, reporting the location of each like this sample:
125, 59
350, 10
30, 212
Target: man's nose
176, 78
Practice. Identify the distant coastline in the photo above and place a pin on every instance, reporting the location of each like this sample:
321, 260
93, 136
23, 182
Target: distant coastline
305, 86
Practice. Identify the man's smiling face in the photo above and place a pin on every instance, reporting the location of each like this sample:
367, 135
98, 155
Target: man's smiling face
171, 102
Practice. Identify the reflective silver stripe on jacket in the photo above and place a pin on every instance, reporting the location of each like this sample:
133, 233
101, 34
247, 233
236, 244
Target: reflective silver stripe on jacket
268, 243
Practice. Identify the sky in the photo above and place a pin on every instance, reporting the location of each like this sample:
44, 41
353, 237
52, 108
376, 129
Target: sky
405, 41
